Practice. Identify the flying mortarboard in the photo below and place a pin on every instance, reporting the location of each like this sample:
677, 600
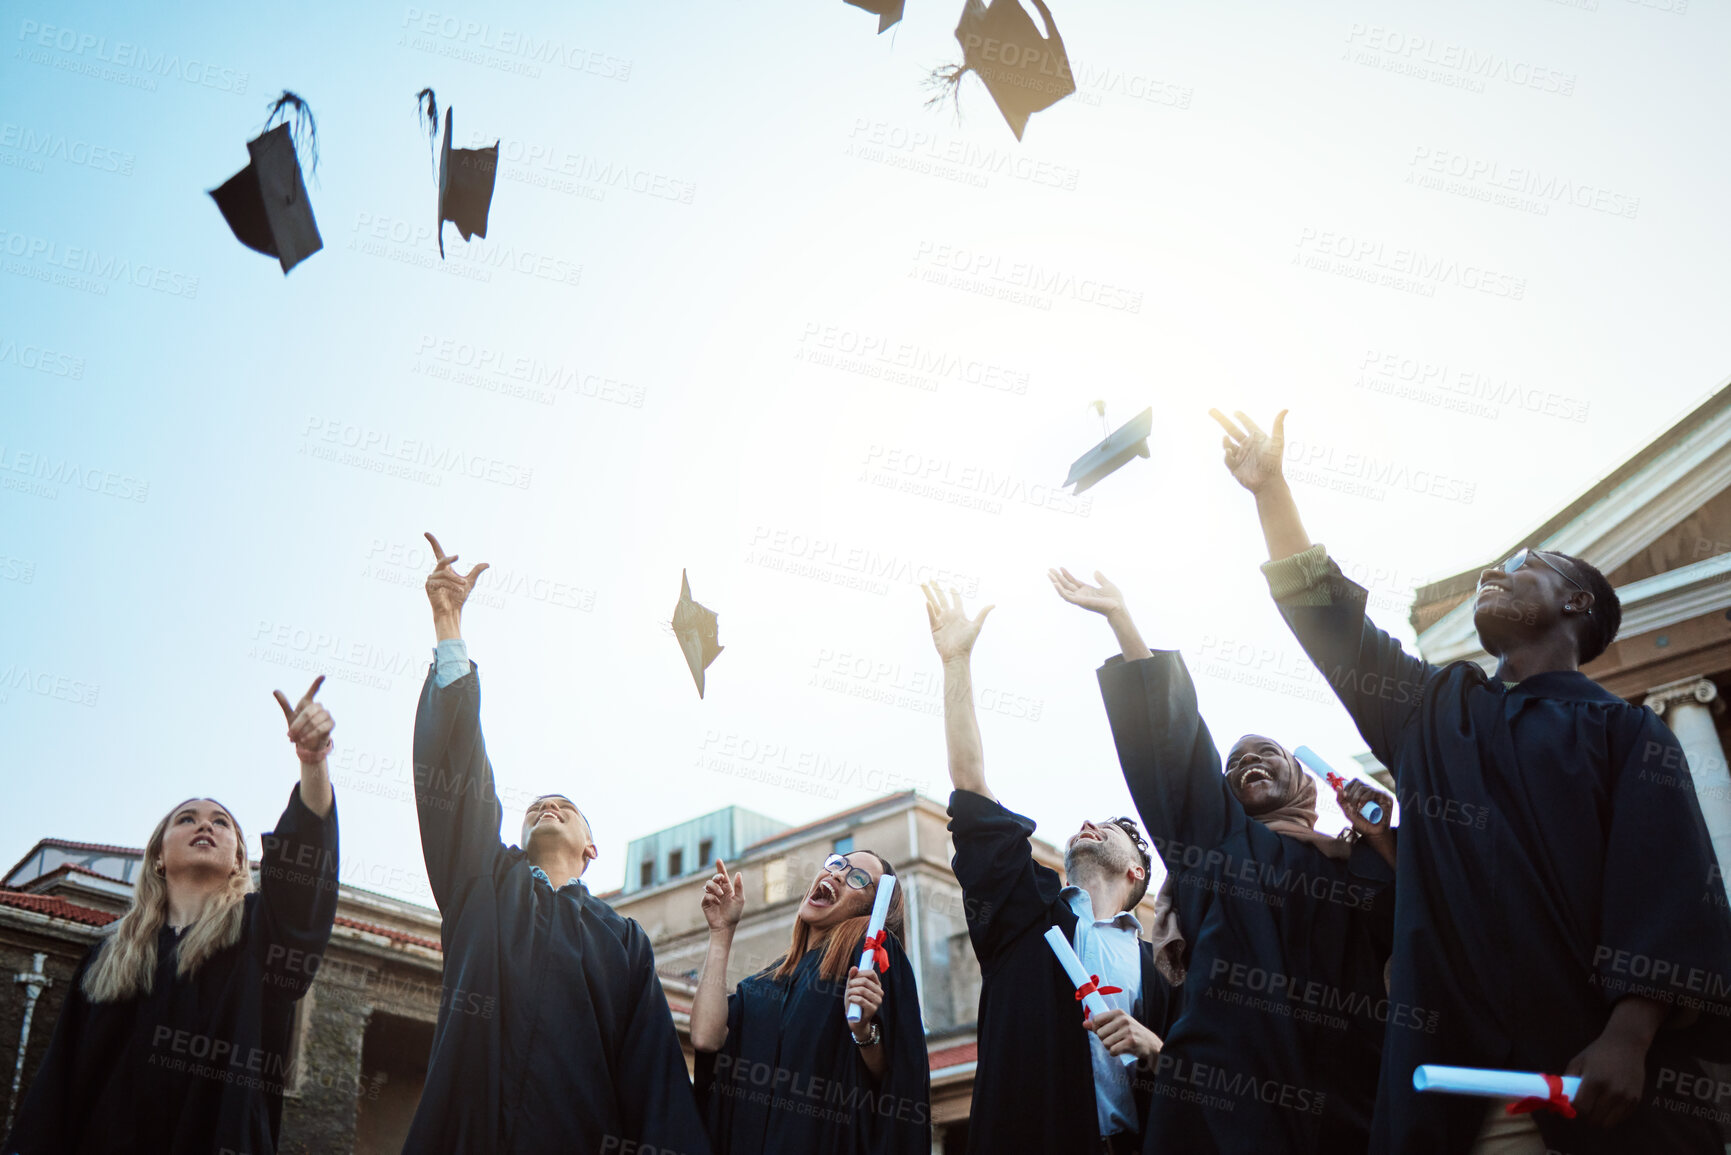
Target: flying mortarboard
265, 203
1023, 70
1127, 441
888, 11
466, 177
694, 626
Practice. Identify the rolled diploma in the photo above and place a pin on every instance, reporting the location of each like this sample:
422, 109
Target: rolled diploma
880, 912
1079, 976
1491, 1084
1372, 811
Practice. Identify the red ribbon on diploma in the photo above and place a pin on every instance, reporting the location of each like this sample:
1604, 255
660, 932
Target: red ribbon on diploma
1093, 987
1557, 1101
880, 956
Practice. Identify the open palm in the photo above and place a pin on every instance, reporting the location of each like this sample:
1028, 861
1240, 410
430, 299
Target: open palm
953, 633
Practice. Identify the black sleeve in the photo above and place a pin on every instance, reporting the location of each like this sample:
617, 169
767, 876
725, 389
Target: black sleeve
901, 1124
656, 1104
1378, 682
1168, 757
1665, 931
455, 799
297, 904
1004, 891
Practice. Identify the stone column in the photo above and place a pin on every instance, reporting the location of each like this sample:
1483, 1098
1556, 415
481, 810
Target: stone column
1688, 706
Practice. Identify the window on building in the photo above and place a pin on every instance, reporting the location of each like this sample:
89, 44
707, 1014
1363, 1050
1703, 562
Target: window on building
675, 863
775, 880
705, 853
646, 875
844, 844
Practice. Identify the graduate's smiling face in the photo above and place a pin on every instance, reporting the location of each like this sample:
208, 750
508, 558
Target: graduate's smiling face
1105, 843
1511, 608
554, 824
200, 840
832, 899
1261, 774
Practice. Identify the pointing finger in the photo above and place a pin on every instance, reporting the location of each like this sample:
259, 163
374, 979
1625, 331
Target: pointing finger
1232, 430
308, 696
438, 551
288, 714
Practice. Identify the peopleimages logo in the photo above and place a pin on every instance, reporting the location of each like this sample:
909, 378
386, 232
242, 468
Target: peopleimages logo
87, 48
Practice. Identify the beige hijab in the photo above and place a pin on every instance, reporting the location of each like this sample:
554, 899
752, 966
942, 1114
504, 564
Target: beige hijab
1296, 819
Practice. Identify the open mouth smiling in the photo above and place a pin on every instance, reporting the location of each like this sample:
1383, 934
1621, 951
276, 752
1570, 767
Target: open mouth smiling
1254, 774
823, 893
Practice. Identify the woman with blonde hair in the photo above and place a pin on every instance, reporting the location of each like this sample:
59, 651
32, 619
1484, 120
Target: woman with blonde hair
174, 1035
779, 1067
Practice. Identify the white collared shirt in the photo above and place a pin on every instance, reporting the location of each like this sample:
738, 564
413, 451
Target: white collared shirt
1108, 948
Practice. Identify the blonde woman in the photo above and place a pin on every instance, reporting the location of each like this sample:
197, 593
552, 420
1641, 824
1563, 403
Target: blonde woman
175, 1030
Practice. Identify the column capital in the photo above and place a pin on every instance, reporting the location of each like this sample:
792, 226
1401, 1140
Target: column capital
1695, 689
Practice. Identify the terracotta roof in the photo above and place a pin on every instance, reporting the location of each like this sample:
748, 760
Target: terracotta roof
955, 1056
93, 847
56, 908
396, 936
74, 868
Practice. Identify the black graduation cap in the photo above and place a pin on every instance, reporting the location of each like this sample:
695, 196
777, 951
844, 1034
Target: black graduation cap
1112, 454
266, 203
466, 177
888, 11
694, 625
1023, 70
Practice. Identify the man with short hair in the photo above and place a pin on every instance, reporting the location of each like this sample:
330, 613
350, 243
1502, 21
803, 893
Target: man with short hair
1044, 1082
554, 1034
1557, 898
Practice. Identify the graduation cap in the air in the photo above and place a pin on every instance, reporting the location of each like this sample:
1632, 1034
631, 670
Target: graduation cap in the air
1022, 69
266, 203
888, 11
1127, 441
694, 626
466, 176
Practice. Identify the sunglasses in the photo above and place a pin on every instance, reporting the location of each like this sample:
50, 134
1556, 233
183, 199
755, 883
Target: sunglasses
854, 876
1522, 557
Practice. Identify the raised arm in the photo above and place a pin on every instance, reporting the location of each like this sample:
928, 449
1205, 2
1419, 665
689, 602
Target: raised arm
298, 875
1255, 459
1378, 682
455, 798
723, 906
1106, 600
953, 634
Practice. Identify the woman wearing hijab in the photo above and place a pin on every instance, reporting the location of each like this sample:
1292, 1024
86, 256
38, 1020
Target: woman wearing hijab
174, 1035
1277, 935
779, 1067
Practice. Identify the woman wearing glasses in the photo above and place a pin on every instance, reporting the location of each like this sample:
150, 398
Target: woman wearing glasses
779, 1067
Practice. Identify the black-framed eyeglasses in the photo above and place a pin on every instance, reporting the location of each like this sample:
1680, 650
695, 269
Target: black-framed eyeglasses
1523, 556
854, 876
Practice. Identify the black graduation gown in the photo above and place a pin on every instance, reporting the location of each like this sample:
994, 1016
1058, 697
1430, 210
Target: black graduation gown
1034, 1085
553, 1034
1552, 859
790, 1079
197, 1066
1277, 1043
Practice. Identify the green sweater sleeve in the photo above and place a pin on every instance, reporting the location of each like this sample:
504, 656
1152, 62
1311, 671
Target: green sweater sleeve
1299, 580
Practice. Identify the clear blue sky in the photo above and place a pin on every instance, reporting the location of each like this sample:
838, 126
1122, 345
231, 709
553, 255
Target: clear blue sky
748, 308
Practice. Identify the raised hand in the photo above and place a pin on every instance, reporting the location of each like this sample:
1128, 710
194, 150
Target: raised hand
1104, 598
309, 723
953, 633
723, 899
447, 589
1252, 456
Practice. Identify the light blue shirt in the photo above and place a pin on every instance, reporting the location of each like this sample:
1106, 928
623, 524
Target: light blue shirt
1109, 949
450, 661
537, 872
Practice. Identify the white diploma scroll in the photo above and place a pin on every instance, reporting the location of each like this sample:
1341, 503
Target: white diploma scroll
1079, 977
1487, 1083
1308, 758
880, 912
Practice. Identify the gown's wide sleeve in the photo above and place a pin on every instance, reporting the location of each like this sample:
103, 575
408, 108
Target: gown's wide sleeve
656, 1104
455, 799
902, 1125
1004, 891
1169, 759
297, 882
1665, 930
1378, 682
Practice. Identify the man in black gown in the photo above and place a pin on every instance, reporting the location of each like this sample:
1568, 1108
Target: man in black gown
1044, 1083
1275, 933
1556, 886
553, 1032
